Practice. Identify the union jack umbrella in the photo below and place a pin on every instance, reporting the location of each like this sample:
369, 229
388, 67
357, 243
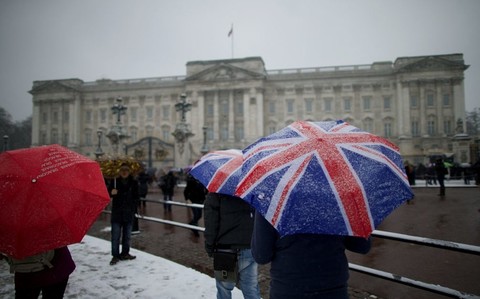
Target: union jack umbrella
323, 178
219, 171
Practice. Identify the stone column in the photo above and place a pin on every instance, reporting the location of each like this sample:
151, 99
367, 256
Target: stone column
246, 116
60, 122
216, 118
458, 99
231, 117
199, 122
421, 107
403, 102
75, 122
259, 118
36, 124
439, 102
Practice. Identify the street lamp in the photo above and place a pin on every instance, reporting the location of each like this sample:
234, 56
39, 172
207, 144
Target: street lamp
5, 143
119, 110
183, 107
99, 152
204, 149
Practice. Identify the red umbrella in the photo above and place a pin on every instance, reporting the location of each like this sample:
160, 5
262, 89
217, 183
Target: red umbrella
49, 197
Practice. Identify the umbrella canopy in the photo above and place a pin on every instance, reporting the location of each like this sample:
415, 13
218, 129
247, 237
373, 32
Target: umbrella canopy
323, 177
219, 171
49, 197
110, 165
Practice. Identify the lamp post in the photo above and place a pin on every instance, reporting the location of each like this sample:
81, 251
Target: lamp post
119, 110
116, 134
182, 129
99, 152
5, 143
204, 149
183, 106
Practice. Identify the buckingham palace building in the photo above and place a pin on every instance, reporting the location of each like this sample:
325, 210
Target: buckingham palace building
418, 103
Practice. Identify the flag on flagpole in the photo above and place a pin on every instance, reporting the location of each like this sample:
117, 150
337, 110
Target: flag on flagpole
231, 31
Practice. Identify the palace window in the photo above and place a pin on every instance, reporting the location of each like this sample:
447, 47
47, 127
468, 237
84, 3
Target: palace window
133, 114
271, 107
290, 103
133, 134
103, 115
88, 116
149, 112
347, 104
387, 103
209, 133
239, 107
430, 100
431, 126
239, 132
54, 137
309, 105
413, 101
166, 133
415, 128
209, 109
224, 108
368, 125
223, 132
271, 129
65, 138
367, 103
166, 112
88, 138
387, 128
328, 104
149, 130
446, 99
447, 127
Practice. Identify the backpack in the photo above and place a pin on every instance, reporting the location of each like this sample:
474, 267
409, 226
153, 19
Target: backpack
32, 263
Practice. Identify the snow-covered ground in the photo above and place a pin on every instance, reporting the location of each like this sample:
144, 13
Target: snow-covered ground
147, 276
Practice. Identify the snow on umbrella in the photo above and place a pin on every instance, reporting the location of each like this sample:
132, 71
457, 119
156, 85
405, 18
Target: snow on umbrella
323, 177
49, 198
219, 171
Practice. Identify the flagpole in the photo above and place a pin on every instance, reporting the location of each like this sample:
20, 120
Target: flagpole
230, 34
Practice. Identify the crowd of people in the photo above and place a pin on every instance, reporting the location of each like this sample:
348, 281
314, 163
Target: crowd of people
237, 238
232, 227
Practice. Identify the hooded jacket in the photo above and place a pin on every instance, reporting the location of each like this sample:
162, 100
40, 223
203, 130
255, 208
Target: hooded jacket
228, 222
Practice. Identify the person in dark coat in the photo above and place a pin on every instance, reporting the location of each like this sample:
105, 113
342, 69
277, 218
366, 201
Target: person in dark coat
195, 192
167, 184
51, 281
229, 226
304, 265
441, 171
143, 179
124, 192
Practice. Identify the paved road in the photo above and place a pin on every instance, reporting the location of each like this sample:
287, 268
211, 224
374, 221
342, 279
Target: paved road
455, 217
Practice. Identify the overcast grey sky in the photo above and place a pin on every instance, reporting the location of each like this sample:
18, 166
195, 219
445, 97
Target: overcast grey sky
120, 39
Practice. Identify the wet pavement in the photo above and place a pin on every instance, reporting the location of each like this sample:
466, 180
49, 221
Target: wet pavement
455, 218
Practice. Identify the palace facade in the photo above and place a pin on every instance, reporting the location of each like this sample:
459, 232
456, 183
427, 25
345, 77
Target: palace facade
416, 102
